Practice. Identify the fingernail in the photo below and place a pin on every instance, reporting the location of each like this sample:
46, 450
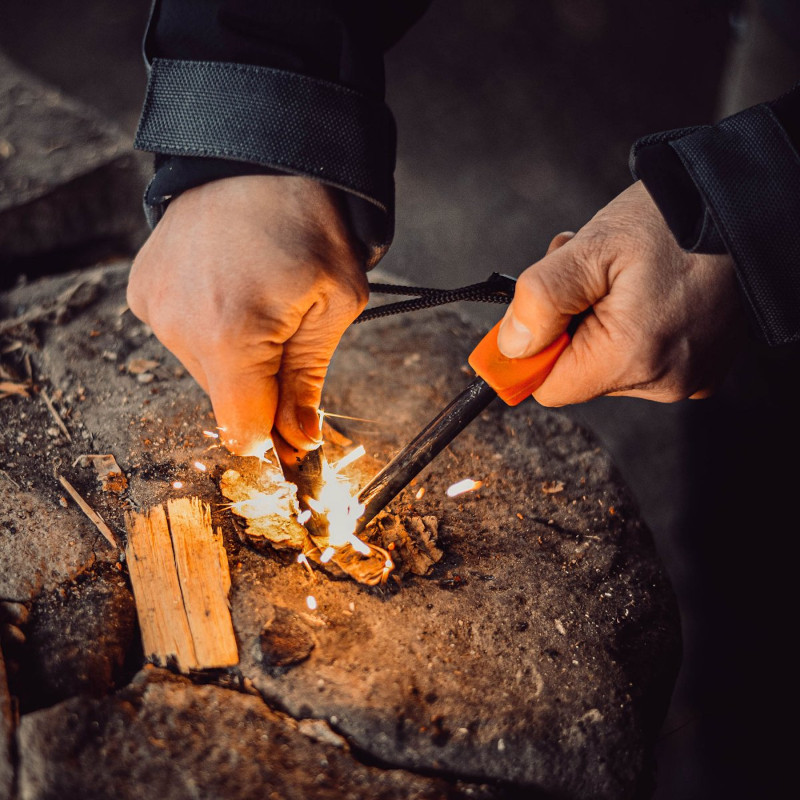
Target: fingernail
309, 420
514, 339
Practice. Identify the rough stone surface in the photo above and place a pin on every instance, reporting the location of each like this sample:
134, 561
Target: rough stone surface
285, 639
78, 639
68, 178
42, 543
539, 650
163, 737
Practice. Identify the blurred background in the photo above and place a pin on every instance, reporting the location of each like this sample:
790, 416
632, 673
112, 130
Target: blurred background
515, 120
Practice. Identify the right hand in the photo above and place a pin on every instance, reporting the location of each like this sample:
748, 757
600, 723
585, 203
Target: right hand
251, 282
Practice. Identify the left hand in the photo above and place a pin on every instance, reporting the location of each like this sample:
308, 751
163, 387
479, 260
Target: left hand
664, 324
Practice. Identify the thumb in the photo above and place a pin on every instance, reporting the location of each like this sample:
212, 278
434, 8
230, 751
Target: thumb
306, 357
548, 294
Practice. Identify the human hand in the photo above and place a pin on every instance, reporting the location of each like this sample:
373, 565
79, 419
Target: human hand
251, 281
664, 323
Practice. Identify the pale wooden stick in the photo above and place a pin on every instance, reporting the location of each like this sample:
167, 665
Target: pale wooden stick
52, 409
205, 581
157, 592
180, 576
90, 512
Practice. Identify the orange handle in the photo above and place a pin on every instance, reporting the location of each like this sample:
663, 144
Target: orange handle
514, 379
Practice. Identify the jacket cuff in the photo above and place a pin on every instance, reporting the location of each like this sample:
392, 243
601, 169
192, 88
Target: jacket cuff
658, 166
282, 121
735, 183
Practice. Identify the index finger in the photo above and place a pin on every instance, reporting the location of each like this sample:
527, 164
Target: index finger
244, 403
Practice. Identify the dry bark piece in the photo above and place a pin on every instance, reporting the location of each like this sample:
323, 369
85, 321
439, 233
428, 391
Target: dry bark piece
553, 487
270, 508
413, 541
285, 639
111, 477
370, 569
180, 578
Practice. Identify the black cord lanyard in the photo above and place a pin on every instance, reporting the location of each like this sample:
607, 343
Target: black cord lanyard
496, 289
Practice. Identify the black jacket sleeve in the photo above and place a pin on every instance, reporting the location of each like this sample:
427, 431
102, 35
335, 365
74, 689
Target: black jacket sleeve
279, 86
735, 187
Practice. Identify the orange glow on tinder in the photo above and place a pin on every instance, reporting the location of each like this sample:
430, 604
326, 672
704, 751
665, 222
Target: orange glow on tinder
467, 485
318, 496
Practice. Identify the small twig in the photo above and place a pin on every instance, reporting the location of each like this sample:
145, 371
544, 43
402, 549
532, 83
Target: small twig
9, 478
52, 409
90, 513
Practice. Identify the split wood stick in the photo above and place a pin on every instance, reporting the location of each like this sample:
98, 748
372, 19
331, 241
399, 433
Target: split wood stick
157, 591
90, 512
205, 581
55, 415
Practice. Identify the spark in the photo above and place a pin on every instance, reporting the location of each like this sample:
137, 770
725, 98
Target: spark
200, 465
467, 485
303, 559
344, 416
311, 602
327, 554
315, 505
211, 434
420, 493
347, 460
304, 516
177, 484
258, 449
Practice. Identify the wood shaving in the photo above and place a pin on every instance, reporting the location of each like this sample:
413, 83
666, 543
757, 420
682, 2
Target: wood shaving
111, 477
11, 388
137, 366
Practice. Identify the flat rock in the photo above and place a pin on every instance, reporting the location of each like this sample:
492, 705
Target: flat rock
539, 650
164, 737
69, 179
42, 543
78, 639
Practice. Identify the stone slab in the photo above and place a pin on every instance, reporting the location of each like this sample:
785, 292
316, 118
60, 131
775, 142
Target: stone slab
541, 649
69, 179
80, 637
164, 737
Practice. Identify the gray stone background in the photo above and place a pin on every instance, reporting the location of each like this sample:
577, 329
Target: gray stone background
515, 120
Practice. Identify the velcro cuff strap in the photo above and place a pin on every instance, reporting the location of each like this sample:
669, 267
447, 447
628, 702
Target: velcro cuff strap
278, 119
748, 173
